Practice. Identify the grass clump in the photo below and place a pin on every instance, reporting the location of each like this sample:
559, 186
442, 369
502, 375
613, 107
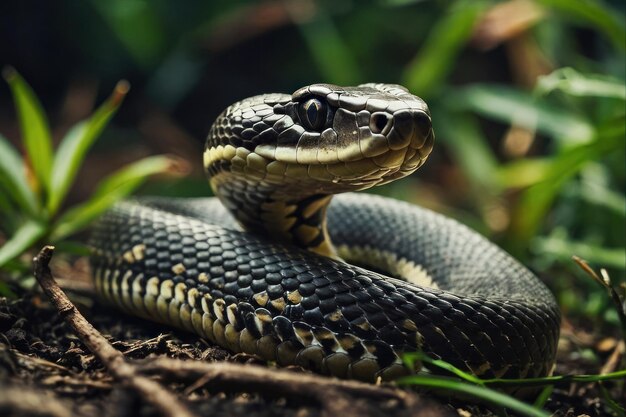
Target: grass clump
34, 186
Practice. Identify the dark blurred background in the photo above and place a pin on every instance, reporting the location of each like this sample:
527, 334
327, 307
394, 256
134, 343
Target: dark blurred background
527, 98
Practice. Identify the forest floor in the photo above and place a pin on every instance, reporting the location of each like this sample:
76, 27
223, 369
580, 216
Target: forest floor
45, 370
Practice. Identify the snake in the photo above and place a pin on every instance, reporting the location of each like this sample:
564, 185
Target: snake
290, 264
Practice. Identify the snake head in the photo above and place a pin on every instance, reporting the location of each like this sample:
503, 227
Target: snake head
329, 138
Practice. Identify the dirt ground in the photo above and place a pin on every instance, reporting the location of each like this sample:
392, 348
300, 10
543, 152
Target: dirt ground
46, 370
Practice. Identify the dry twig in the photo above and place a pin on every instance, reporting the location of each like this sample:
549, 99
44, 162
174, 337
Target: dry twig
336, 397
149, 390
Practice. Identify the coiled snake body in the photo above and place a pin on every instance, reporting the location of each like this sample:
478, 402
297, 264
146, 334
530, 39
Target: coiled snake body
259, 274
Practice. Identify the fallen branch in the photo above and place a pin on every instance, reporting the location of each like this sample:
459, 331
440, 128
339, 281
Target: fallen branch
336, 397
149, 390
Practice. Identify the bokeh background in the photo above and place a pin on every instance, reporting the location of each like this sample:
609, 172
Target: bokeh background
527, 97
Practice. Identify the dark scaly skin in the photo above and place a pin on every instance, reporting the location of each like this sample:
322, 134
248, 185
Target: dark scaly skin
187, 263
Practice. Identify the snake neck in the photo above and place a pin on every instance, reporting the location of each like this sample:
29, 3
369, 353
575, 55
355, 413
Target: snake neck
281, 215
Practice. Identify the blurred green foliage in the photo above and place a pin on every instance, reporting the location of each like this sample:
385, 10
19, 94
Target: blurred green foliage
33, 188
527, 98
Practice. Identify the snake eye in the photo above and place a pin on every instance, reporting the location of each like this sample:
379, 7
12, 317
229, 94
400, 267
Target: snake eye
313, 114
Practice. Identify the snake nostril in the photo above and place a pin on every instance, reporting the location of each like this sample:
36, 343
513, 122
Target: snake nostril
379, 121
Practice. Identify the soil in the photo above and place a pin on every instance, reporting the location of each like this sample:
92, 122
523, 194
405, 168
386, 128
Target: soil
45, 369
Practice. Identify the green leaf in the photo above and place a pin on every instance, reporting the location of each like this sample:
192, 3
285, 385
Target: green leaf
18, 268
34, 126
428, 70
466, 142
574, 83
333, 57
556, 246
112, 189
537, 199
524, 172
5, 291
600, 195
73, 247
595, 13
519, 108
13, 178
138, 26
23, 238
75, 145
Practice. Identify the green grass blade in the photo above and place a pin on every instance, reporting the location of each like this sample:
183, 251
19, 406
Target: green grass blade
543, 396
618, 409
9, 219
139, 171
411, 358
34, 126
6, 208
554, 380
574, 83
112, 189
478, 393
12, 172
520, 108
74, 146
524, 172
24, 237
427, 71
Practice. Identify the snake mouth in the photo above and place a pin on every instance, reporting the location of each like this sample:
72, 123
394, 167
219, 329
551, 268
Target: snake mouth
359, 149
351, 156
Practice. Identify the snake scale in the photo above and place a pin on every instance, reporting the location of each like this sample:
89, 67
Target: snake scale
272, 268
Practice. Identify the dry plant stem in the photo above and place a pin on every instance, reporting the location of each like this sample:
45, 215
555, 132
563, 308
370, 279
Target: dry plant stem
605, 281
335, 396
614, 360
149, 390
20, 400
